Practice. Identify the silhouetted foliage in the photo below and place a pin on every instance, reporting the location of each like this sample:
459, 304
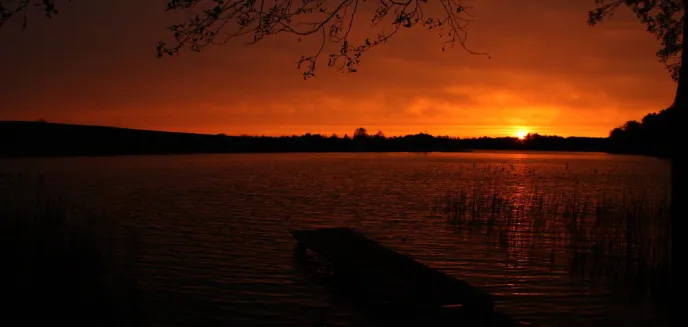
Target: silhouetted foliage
663, 18
217, 21
666, 19
651, 136
360, 133
25, 139
9, 8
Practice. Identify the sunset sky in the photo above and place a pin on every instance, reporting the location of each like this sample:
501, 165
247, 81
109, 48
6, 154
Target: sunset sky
549, 73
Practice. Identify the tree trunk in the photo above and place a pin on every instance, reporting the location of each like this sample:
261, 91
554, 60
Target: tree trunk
678, 212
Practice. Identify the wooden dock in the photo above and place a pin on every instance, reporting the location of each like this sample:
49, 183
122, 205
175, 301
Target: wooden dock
382, 275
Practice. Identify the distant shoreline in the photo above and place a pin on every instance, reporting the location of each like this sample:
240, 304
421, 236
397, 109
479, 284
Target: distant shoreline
213, 153
44, 140
311, 152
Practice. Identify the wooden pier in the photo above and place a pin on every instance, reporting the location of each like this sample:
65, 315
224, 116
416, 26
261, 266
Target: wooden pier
385, 277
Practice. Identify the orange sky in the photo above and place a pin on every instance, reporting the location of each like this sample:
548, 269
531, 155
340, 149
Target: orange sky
549, 73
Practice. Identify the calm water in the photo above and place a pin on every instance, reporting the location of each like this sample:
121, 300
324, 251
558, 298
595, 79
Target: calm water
216, 248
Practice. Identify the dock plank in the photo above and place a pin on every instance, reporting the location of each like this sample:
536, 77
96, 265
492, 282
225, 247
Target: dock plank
392, 277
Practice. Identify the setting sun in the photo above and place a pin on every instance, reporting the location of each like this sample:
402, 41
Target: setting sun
521, 134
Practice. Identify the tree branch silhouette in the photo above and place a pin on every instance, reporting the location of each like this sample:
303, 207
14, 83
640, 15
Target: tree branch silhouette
331, 20
666, 20
10, 8
663, 18
214, 22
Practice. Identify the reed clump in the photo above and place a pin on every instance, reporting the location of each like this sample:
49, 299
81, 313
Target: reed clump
614, 238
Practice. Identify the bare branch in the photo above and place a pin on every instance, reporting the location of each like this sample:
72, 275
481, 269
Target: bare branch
10, 8
332, 19
213, 22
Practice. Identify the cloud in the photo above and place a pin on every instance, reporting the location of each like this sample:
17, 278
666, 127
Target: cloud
547, 71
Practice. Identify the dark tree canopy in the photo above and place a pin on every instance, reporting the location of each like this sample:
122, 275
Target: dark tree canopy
650, 136
360, 133
663, 18
218, 21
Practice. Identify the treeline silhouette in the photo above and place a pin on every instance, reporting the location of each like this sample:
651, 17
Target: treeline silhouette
650, 136
29, 139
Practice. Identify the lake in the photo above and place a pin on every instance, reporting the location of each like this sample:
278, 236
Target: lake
216, 249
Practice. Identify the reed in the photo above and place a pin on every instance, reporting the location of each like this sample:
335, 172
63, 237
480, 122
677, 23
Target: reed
611, 238
61, 265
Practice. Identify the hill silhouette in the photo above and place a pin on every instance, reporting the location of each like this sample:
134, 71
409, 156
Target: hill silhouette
30, 139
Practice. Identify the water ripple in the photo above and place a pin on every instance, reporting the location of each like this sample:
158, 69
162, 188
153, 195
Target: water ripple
216, 248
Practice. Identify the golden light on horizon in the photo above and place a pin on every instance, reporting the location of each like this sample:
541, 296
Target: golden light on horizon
521, 134
575, 86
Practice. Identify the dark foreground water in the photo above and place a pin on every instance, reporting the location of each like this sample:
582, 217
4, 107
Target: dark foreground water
216, 249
